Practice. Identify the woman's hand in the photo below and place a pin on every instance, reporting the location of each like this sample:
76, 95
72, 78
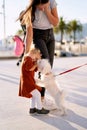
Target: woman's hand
46, 6
43, 7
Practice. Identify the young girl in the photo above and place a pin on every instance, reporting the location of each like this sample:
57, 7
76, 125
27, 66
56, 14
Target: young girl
28, 87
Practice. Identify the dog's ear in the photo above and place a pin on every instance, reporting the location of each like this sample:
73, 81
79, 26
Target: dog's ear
38, 61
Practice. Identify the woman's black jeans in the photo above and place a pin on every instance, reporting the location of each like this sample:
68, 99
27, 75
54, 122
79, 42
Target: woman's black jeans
44, 40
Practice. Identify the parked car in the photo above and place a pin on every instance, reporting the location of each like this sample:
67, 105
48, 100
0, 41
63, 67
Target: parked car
62, 53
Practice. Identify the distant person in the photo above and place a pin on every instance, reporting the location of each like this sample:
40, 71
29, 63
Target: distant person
28, 87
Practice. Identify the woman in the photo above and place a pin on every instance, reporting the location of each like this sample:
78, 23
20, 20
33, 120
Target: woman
45, 18
41, 15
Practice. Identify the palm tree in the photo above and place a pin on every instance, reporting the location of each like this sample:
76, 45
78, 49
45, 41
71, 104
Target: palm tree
68, 30
74, 26
60, 28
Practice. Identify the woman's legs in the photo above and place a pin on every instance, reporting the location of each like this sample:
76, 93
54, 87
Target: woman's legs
40, 44
42, 93
51, 48
44, 40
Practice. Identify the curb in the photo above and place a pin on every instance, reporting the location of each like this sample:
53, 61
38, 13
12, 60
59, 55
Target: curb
8, 57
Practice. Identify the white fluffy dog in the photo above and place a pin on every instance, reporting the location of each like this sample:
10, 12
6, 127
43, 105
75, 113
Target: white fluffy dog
51, 85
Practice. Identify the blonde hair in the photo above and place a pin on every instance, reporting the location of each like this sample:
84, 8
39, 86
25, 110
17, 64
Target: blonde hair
26, 16
34, 51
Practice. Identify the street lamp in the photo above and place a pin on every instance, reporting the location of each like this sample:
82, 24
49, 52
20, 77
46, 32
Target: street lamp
4, 21
1, 13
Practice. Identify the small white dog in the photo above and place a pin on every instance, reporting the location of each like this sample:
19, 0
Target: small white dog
51, 85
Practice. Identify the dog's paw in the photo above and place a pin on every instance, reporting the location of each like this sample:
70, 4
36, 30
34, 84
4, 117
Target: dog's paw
58, 112
62, 111
49, 104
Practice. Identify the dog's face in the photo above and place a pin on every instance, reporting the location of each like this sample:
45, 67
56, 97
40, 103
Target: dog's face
44, 66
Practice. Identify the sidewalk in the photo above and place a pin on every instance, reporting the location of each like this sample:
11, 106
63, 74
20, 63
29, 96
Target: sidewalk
5, 54
14, 113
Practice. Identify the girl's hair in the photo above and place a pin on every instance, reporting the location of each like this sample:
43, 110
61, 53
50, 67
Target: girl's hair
35, 51
28, 15
32, 51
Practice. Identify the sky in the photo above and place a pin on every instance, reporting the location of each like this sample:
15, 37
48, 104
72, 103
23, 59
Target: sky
68, 9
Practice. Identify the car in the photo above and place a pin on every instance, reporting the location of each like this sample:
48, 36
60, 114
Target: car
62, 53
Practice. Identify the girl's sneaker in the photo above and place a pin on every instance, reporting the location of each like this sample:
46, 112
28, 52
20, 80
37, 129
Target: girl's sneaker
43, 111
32, 110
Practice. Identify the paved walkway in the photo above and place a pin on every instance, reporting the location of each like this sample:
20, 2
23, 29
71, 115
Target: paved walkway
14, 110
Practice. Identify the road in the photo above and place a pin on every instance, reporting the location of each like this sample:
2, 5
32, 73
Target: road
14, 109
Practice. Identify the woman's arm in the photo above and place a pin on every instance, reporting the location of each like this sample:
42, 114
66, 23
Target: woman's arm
29, 37
52, 14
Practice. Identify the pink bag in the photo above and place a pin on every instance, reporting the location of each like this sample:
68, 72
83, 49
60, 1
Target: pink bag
19, 46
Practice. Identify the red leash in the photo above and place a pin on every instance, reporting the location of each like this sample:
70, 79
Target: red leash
70, 70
